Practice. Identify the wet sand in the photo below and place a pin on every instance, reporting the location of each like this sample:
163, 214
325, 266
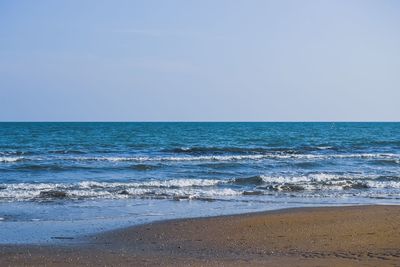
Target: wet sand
337, 236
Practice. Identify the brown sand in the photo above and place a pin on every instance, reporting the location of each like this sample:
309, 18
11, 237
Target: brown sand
338, 236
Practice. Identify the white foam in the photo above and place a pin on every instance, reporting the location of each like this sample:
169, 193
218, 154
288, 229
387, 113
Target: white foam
197, 158
384, 185
154, 183
210, 157
91, 189
329, 182
318, 177
324, 147
92, 194
189, 193
192, 188
39, 186
10, 159
242, 157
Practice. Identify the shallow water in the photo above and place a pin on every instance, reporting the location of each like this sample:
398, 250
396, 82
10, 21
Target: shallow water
68, 179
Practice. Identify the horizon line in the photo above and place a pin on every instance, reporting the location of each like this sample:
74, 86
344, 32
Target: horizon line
202, 121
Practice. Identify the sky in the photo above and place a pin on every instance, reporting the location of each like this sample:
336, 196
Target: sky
208, 60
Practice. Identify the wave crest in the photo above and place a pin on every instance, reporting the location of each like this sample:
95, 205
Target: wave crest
11, 159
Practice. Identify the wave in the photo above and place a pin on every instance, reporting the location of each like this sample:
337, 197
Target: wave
283, 179
169, 189
386, 157
248, 150
173, 183
188, 158
318, 181
241, 157
11, 159
324, 183
59, 167
216, 150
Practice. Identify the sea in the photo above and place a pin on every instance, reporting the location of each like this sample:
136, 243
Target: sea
61, 181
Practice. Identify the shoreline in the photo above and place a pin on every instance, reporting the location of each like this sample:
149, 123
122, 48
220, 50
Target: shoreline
341, 236
94, 236
84, 238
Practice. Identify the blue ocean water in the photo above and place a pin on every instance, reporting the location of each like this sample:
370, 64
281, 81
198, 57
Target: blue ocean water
68, 179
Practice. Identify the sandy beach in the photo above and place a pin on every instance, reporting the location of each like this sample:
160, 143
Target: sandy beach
200, 133
336, 236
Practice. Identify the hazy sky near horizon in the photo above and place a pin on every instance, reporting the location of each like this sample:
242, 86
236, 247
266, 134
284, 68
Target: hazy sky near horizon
208, 60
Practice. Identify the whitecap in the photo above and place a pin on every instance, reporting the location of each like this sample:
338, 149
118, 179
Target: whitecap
10, 159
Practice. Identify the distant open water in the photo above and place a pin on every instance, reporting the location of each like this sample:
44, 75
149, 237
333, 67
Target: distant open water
71, 175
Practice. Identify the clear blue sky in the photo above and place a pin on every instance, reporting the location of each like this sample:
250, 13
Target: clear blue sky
199, 60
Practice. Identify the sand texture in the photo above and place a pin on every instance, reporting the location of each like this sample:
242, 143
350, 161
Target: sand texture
337, 236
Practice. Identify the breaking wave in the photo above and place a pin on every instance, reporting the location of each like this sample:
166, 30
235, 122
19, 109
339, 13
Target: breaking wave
10, 159
208, 189
222, 157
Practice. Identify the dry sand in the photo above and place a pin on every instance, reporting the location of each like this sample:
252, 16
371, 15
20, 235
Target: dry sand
337, 236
